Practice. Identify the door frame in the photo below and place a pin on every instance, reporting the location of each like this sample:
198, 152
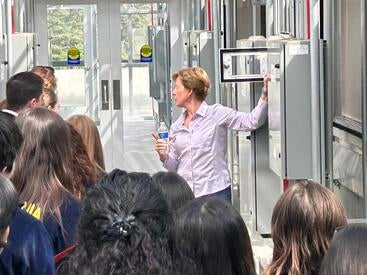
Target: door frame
110, 117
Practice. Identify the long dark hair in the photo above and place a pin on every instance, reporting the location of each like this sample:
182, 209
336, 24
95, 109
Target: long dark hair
126, 227
302, 225
10, 141
42, 170
347, 252
175, 188
214, 237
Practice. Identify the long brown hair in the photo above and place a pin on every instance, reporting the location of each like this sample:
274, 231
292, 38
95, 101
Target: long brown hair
42, 170
303, 222
83, 168
89, 133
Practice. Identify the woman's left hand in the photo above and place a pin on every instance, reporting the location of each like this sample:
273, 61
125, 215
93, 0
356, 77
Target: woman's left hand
264, 94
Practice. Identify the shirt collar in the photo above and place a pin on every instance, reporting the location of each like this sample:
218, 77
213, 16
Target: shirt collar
10, 112
203, 109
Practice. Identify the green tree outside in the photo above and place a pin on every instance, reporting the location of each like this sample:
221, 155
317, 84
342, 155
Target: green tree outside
66, 30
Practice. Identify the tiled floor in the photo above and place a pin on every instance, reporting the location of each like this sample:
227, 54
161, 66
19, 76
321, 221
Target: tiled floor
261, 247
139, 154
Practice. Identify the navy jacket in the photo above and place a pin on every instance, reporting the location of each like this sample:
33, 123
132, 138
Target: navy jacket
70, 212
29, 248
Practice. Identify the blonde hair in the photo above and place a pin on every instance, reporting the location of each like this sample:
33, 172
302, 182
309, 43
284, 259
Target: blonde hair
303, 222
47, 73
50, 98
195, 79
89, 133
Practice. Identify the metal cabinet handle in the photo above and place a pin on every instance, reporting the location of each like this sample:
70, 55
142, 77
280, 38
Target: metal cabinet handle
105, 95
116, 94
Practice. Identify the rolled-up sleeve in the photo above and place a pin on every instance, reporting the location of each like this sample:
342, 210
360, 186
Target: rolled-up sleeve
243, 121
171, 163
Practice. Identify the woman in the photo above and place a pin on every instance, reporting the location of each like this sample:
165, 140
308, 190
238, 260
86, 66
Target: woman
90, 135
43, 175
212, 234
126, 227
347, 252
302, 225
198, 138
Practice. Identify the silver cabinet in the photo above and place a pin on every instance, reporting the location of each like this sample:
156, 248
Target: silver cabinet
290, 133
281, 150
23, 52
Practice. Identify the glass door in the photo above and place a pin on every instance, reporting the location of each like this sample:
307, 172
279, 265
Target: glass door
110, 83
138, 106
88, 83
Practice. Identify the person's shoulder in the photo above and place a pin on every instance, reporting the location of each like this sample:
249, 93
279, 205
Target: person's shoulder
70, 204
26, 233
7, 114
218, 109
215, 106
27, 229
24, 222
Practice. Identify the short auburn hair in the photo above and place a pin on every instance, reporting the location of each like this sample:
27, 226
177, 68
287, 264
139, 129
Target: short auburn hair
195, 79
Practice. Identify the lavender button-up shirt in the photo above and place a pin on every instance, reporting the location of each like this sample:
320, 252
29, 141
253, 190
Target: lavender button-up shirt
198, 153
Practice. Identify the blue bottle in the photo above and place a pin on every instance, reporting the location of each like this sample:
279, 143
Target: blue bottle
163, 134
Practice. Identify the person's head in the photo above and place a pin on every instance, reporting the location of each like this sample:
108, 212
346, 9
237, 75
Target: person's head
347, 252
90, 135
24, 90
125, 227
214, 237
176, 189
42, 170
8, 206
51, 100
84, 173
10, 141
190, 84
302, 225
47, 73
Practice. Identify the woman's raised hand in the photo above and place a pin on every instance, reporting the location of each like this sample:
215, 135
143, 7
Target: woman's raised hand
264, 94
